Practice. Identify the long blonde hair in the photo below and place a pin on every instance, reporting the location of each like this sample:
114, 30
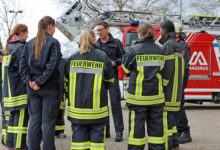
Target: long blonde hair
40, 39
86, 41
15, 31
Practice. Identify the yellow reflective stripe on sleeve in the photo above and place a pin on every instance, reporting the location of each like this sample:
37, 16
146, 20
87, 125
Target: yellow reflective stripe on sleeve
172, 103
174, 129
165, 82
167, 108
97, 91
9, 88
110, 80
15, 101
183, 68
156, 140
175, 81
137, 141
79, 145
131, 134
12, 129
169, 57
63, 103
125, 69
160, 87
72, 88
139, 80
58, 128
97, 146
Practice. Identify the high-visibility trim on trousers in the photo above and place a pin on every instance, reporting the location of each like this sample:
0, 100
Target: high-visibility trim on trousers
58, 128
156, 140
80, 145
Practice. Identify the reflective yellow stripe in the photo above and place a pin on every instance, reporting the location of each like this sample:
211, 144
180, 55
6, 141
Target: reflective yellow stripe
85, 111
88, 115
139, 80
4, 134
20, 124
169, 57
183, 68
160, 87
131, 135
156, 140
165, 82
166, 108
58, 128
110, 80
79, 145
72, 88
12, 129
15, 101
125, 69
131, 96
97, 146
97, 91
63, 103
165, 128
172, 103
175, 81
137, 141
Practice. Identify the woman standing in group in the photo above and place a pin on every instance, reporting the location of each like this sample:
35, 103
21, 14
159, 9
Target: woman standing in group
143, 63
14, 95
39, 71
90, 74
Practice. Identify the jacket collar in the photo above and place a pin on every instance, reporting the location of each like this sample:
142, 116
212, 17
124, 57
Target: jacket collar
144, 40
109, 40
168, 36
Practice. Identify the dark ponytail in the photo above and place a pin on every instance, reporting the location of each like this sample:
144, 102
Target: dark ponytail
40, 39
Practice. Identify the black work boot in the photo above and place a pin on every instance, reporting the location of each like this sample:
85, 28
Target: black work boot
119, 137
185, 138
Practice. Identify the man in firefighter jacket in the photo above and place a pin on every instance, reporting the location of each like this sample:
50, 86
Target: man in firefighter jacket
89, 73
114, 50
143, 63
182, 121
172, 79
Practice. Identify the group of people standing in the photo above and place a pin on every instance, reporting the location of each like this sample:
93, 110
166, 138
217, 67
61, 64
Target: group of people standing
36, 81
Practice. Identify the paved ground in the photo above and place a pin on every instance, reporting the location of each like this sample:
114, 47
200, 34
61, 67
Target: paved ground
205, 129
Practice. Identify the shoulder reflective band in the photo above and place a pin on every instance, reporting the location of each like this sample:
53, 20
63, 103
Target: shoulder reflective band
85, 66
150, 60
6, 60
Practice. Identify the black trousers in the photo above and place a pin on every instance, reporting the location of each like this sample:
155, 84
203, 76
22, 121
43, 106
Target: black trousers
115, 99
153, 116
43, 109
60, 123
181, 118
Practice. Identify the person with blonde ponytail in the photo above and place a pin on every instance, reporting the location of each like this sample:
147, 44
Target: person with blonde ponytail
39, 71
90, 73
14, 94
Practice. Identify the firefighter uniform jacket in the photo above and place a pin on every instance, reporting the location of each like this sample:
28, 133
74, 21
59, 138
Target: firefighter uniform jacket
14, 94
89, 76
143, 63
173, 72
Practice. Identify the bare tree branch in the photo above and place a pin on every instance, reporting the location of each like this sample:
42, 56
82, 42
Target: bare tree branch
205, 7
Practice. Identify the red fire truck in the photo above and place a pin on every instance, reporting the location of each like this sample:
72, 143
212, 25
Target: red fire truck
204, 81
203, 38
